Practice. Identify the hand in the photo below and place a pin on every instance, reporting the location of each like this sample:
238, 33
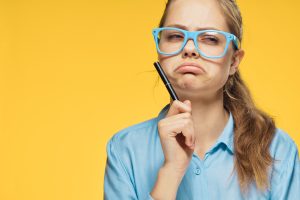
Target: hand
177, 137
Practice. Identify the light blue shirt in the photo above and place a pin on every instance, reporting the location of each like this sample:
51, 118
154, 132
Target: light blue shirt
134, 157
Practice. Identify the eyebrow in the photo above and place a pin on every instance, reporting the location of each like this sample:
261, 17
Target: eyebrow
185, 28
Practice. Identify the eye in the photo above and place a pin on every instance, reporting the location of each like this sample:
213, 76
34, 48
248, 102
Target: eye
174, 36
211, 39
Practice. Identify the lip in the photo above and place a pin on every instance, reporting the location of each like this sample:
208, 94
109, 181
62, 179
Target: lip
190, 67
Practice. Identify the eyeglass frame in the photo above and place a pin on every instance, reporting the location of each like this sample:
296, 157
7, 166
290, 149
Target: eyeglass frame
193, 35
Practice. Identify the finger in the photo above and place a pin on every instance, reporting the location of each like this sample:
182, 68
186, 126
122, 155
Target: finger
178, 107
166, 124
185, 115
180, 126
188, 132
187, 102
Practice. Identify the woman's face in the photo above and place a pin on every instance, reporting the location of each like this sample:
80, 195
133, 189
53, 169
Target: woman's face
193, 15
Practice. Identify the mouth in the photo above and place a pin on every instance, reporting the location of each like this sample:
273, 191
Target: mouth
190, 68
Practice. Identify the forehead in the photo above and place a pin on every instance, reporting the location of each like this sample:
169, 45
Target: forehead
196, 14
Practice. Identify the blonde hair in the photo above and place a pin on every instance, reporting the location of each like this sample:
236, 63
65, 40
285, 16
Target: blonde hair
253, 129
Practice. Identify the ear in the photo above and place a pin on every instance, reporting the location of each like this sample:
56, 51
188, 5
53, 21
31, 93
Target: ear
236, 60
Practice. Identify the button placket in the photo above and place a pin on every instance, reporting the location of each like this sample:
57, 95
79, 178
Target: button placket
197, 166
197, 170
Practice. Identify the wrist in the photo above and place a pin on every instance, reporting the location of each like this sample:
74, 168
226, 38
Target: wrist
174, 170
167, 183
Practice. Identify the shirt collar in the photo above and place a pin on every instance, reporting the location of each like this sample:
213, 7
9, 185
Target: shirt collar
226, 137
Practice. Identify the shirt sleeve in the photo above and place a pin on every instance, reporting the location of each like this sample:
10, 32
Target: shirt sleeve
287, 181
117, 182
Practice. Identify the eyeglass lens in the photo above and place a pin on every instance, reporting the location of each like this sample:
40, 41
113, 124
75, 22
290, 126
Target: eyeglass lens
210, 43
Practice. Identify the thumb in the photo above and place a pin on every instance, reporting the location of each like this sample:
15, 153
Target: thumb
187, 102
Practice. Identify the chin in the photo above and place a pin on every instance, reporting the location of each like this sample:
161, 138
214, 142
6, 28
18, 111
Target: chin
189, 81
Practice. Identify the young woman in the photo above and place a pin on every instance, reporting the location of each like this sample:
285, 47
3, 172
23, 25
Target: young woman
215, 144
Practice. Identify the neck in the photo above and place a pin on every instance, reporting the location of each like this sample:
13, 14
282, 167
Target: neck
210, 118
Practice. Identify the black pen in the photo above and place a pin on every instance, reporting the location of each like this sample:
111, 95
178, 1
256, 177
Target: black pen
165, 80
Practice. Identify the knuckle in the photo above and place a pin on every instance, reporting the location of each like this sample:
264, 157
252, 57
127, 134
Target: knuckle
160, 124
188, 115
186, 123
189, 108
176, 104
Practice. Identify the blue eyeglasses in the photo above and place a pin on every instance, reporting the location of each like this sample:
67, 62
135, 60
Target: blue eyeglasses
209, 43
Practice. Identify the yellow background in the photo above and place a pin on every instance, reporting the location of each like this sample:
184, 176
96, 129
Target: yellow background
73, 73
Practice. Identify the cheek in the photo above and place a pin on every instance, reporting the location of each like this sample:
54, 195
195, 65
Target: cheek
167, 62
219, 66
224, 73
224, 64
219, 71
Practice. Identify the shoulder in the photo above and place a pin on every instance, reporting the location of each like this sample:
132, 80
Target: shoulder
138, 139
283, 147
134, 135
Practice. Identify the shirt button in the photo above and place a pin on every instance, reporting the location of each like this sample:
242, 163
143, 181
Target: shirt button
197, 171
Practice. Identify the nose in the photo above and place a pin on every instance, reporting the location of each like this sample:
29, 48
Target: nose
190, 50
